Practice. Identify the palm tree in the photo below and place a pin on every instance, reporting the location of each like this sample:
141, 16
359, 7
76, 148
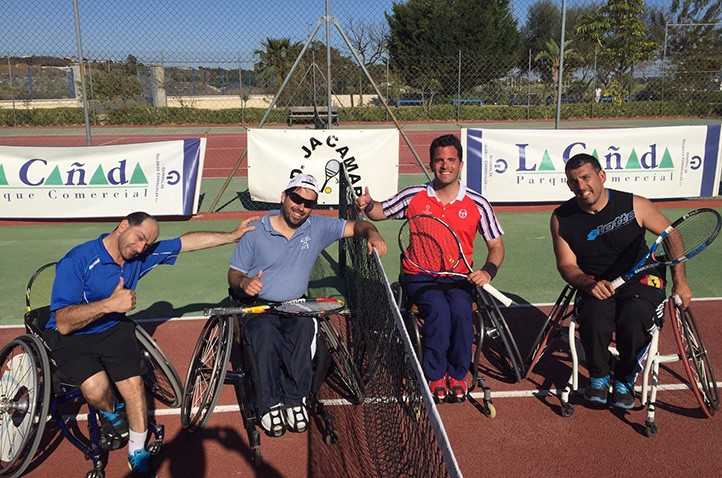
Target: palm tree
277, 57
552, 55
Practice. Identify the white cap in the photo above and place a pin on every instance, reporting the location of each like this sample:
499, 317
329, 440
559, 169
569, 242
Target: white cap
303, 181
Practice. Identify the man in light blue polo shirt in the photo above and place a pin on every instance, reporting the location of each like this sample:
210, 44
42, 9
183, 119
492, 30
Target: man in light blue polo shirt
92, 340
273, 263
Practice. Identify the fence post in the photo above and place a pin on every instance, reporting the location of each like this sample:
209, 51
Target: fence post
159, 95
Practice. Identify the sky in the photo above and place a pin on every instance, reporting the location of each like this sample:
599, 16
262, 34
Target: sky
222, 32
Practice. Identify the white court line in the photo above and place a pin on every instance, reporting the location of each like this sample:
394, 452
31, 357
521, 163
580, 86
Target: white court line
340, 402
205, 317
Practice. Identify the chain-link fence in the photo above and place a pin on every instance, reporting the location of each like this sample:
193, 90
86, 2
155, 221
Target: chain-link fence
224, 61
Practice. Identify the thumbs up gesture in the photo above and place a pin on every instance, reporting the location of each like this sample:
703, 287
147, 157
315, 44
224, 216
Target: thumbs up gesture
122, 300
252, 285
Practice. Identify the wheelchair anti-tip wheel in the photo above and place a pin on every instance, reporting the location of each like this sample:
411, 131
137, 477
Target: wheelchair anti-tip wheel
206, 372
24, 400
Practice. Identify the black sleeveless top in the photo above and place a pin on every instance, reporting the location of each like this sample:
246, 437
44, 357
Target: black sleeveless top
607, 244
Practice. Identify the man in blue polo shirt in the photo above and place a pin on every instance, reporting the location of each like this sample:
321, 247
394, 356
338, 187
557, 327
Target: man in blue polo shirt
92, 340
273, 263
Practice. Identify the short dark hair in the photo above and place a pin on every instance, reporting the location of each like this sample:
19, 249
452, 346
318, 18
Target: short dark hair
137, 218
444, 141
579, 160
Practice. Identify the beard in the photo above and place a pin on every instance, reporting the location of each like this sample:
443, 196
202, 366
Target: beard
291, 220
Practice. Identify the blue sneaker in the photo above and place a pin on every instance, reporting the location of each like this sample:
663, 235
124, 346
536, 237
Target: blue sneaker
139, 463
623, 395
113, 427
597, 390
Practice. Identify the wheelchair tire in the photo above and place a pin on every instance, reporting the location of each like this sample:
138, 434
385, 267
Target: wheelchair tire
557, 315
160, 377
206, 372
346, 369
24, 400
494, 327
695, 358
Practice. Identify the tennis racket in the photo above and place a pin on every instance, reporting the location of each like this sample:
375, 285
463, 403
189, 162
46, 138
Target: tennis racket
428, 243
685, 238
298, 307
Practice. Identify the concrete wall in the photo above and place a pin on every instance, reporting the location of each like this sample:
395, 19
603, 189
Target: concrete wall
203, 102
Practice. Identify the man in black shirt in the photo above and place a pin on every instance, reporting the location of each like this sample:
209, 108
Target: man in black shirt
597, 236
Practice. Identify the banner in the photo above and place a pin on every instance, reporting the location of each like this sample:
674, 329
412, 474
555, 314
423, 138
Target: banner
162, 179
658, 163
275, 156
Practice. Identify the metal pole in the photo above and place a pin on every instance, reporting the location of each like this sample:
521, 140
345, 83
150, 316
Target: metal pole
458, 89
82, 73
594, 83
387, 85
528, 87
329, 121
12, 92
664, 70
561, 65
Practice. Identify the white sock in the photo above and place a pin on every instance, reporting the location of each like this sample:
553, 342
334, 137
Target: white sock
136, 441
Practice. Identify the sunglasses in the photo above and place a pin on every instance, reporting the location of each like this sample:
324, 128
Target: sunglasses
298, 199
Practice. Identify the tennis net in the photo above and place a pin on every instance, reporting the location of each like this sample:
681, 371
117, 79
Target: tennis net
402, 429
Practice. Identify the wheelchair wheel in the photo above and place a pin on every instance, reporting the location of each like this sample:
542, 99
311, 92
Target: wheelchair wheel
206, 372
695, 358
346, 369
550, 329
24, 399
413, 327
494, 327
160, 377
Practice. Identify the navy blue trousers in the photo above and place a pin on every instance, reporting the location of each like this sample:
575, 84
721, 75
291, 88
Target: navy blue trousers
448, 332
283, 353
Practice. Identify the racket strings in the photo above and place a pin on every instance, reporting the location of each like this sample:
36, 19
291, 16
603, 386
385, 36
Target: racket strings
430, 245
690, 235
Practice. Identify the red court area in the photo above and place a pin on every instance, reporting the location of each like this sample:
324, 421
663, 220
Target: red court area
223, 150
528, 437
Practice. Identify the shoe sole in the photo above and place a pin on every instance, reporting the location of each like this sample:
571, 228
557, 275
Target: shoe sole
595, 400
623, 406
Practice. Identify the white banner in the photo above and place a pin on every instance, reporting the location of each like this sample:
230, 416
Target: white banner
528, 165
275, 156
161, 178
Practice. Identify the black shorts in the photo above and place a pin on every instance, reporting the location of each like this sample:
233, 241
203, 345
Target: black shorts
114, 351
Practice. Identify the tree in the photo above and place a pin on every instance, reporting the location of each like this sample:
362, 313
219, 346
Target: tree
552, 57
693, 31
544, 22
621, 34
276, 57
426, 36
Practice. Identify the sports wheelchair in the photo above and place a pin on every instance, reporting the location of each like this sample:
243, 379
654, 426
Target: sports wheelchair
214, 363
30, 388
489, 325
692, 352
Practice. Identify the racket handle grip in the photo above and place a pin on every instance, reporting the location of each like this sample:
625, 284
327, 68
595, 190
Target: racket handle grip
494, 292
618, 282
677, 300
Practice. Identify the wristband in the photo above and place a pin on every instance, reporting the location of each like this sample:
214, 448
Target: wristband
370, 206
491, 269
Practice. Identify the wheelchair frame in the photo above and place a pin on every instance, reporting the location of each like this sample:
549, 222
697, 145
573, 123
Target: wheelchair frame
485, 312
209, 370
692, 353
29, 406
